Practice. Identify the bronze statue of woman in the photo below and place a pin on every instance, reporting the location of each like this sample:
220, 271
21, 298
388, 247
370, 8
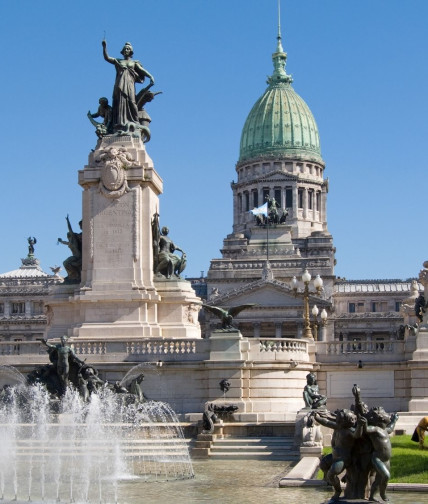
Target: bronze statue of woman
128, 72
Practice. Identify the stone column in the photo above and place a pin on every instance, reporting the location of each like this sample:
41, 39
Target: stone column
323, 209
295, 201
305, 202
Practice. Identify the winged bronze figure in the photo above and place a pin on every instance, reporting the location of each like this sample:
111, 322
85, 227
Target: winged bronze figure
226, 314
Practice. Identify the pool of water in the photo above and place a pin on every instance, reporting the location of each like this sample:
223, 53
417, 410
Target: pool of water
220, 482
236, 482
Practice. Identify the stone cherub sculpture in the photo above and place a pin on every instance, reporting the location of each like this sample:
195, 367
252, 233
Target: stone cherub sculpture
378, 425
360, 446
226, 314
343, 440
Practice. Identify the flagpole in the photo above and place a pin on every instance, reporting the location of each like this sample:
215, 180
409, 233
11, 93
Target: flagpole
267, 239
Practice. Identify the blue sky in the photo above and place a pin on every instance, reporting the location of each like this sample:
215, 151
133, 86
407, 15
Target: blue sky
361, 66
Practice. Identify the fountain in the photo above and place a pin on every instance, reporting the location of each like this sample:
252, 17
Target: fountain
66, 449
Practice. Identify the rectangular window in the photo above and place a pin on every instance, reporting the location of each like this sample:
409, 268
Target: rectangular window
266, 195
300, 198
288, 197
375, 307
397, 306
1, 308
17, 346
310, 199
255, 199
277, 196
351, 307
360, 307
318, 201
18, 308
37, 307
247, 201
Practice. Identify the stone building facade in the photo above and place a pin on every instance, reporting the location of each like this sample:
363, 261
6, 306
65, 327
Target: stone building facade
23, 293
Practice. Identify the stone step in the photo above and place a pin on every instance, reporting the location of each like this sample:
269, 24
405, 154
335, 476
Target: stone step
273, 455
261, 448
144, 448
271, 441
249, 449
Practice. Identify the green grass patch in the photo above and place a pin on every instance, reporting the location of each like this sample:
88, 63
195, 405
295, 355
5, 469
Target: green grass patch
409, 464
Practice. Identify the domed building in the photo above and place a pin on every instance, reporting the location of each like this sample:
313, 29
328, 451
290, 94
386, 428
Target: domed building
279, 262
279, 215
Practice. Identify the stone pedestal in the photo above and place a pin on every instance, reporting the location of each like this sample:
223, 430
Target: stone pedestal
228, 345
118, 296
419, 362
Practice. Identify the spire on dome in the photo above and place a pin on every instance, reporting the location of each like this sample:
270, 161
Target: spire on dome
279, 58
279, 47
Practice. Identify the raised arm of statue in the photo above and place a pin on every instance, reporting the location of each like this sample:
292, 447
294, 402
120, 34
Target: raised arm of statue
390, 427
48, 345
105, 54
68, 224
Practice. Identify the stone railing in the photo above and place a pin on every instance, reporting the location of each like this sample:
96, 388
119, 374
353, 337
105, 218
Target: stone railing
142, 350
34, 352
282, 345
26, 348
15, 353
278, 349
338, 351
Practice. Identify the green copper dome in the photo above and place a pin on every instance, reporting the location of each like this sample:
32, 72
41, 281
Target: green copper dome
280, 123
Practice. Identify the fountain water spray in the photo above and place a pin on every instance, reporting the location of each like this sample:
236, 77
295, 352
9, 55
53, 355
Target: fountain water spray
68, 450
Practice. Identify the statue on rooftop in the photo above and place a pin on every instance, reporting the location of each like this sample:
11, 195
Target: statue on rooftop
31, 242
73, 264
128, 115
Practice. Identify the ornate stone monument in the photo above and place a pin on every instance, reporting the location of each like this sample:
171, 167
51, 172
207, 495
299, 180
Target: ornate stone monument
119, 293
419, 401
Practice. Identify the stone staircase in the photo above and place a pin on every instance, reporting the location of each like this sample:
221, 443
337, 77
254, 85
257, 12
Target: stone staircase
244, 448
258, 448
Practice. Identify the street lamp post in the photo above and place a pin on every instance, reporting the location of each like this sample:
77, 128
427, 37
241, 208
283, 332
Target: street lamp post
318, 283
316, 323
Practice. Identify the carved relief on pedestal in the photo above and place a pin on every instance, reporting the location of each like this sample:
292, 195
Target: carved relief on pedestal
114, 163
191, 314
